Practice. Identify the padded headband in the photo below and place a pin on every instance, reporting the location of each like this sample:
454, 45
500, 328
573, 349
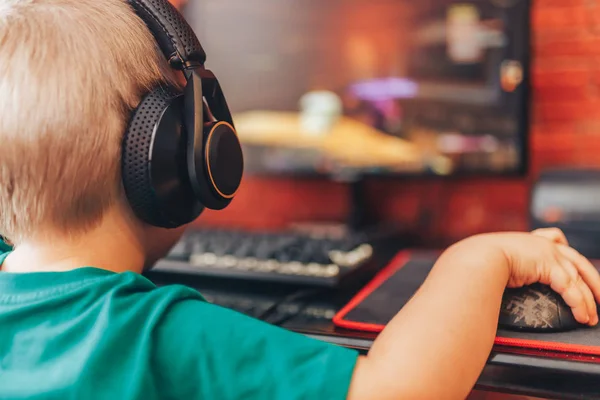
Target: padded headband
173, 34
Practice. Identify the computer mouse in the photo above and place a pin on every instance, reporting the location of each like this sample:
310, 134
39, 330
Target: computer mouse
536, 308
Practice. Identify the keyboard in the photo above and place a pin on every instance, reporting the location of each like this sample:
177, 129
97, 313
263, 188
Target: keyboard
271, 310
285, 257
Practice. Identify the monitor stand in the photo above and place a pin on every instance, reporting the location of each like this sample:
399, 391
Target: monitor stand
359, 218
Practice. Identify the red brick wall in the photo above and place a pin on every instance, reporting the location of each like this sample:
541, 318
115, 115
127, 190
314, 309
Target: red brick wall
565, 131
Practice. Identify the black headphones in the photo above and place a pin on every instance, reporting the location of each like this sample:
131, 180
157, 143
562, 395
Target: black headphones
180, 152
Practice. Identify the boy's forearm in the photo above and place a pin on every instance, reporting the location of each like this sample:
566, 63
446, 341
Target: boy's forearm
438, 344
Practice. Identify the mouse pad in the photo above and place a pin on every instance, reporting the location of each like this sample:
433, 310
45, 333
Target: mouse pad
375, 305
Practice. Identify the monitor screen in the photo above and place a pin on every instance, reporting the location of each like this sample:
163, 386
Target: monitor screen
360, 87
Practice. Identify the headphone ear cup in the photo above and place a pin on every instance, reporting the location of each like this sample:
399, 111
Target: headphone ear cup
153, 163
223, 165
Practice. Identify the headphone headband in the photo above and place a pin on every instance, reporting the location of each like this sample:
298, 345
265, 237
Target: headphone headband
173, 34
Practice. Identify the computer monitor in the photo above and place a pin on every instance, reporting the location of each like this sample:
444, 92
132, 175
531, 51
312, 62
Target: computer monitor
353, 88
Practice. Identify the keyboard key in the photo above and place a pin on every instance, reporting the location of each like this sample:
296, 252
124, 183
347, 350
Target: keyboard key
286, 256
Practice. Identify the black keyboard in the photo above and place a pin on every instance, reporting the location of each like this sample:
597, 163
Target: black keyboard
271, 310
290, 257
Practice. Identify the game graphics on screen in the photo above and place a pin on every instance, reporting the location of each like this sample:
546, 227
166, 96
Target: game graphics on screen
435, 88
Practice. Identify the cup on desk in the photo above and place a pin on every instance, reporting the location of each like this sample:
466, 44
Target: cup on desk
319, 111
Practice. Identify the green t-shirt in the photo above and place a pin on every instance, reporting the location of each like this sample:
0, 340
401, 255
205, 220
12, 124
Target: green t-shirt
90, 333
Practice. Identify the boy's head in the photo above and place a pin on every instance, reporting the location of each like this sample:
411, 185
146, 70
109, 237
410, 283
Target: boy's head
71, 73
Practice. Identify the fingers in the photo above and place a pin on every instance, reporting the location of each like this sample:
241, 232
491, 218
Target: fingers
578, 282
588, 272
590, 303
573, 277
553, 234
565, 282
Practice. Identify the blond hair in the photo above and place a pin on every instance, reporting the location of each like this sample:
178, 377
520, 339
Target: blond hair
71, 71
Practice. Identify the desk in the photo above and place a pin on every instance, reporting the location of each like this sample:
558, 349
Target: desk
530, 373
538, 374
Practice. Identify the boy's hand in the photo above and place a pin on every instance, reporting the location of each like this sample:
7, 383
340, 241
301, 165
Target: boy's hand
545, 256
461, 297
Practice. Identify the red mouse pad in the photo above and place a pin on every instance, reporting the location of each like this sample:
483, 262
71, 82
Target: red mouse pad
375, 305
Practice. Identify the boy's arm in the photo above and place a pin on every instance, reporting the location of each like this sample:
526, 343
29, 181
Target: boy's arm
437, 346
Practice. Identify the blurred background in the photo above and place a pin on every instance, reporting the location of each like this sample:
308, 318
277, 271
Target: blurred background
426, 103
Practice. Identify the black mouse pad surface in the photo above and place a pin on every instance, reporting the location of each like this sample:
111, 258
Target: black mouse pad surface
375, 305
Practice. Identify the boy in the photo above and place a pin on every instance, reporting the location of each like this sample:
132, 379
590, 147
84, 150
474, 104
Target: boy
78, 321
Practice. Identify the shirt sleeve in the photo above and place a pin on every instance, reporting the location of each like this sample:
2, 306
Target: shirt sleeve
209, 352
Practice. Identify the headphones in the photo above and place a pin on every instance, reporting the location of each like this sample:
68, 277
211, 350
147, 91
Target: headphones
180, 152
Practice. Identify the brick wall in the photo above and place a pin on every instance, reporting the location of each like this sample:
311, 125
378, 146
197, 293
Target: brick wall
565, 131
